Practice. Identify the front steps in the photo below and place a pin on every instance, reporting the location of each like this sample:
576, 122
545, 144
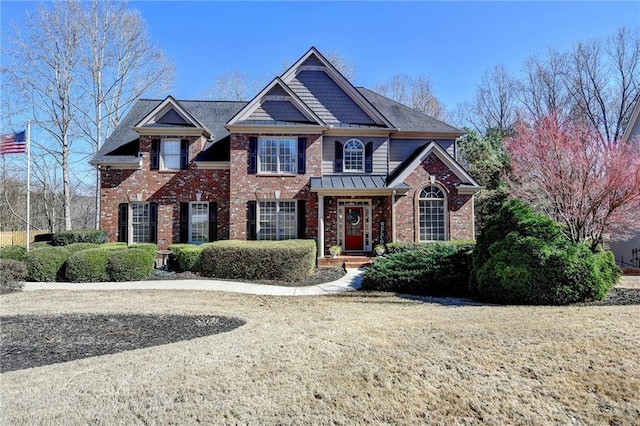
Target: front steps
347, 261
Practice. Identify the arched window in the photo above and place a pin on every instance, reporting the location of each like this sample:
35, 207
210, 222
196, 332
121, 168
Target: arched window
353, 156
432, 214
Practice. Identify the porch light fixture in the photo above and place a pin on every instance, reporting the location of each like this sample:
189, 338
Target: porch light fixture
380, 201
330, 201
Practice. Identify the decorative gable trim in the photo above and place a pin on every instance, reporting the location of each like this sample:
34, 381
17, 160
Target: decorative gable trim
469, 186
633, 121
193, 125
290, 96
340, 80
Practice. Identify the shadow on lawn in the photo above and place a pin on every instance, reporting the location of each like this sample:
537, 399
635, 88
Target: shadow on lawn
36, 340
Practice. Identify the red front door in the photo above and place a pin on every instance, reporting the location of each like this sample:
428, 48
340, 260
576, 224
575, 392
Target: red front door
354, 228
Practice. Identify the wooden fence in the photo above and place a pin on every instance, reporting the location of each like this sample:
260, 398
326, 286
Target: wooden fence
17, 238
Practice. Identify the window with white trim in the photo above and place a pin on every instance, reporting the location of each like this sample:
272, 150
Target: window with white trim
277, 155
140, 218
198, 222
431, 214
277, 220
170, 155
353, 154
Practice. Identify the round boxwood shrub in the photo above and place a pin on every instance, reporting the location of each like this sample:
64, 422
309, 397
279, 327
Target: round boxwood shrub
523, 258
129, 265
433, 269
12, 275
88, 266
75, 247
13, 253
186, 257
46, 264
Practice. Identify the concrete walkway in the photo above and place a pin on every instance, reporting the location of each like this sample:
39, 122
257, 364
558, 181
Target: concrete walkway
350, 282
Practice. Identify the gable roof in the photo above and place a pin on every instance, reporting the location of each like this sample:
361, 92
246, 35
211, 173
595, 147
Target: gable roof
419, 155
212, 114
633, 126
276, 86
351, 105
407, 119
169, 114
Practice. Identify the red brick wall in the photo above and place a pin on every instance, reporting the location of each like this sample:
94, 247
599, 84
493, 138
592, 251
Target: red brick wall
459, 206
167, 188
251, 187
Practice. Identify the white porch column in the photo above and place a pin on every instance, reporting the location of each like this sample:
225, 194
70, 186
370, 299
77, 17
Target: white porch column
393, 217
320, 226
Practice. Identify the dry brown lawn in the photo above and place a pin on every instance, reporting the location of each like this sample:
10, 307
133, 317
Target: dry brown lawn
348, 359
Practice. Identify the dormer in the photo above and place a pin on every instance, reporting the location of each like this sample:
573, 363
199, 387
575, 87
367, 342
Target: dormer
170, 118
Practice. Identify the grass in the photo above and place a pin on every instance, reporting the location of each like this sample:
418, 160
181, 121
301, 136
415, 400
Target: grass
347, 359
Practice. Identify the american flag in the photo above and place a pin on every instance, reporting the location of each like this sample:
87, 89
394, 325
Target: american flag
13, 143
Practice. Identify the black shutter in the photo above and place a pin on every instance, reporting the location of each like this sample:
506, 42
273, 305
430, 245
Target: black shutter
153, 222
184, 222
368, 157
155, 154
184, 154
251, 220
302, 219
253, 155
213, 221
302, 155
337, 164
123, 222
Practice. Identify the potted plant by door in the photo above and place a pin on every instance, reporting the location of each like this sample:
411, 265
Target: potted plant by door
335, 250
380, 249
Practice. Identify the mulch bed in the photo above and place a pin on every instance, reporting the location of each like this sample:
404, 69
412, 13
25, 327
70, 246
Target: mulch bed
320, 276
620, 296
35, 340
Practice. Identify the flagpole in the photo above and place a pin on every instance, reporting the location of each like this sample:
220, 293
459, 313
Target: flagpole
28, 182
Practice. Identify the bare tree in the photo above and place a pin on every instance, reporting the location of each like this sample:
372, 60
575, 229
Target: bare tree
233, 86
342, 64
603, 80
417, 93
43, 73
118, 63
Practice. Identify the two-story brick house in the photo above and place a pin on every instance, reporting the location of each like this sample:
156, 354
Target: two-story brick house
311, 156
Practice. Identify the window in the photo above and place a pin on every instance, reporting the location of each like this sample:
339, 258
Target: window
276, 220
170, 155
353, 156
277, 155
140, 218
431, 214
199, 229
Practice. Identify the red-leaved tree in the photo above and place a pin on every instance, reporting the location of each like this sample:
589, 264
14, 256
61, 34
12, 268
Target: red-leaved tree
563, 169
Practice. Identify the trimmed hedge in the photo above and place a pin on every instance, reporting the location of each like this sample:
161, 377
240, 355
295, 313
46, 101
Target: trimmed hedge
76, 247
186, 257
134, 264
46, 264
523, 258
13, 253
40, 244
148, 247
64, 238
427, 269
12, 275
88, 266
401, 247
288, 260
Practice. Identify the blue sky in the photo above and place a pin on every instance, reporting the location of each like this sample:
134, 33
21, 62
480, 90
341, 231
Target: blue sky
453, 42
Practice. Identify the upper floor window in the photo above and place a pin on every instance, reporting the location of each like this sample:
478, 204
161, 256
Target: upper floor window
170, 155
353, 156
431, 214
277, 155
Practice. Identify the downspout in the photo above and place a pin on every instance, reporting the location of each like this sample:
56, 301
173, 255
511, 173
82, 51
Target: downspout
320, 226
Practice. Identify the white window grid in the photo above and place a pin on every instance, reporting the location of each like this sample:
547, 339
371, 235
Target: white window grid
170, 155
277, 220
139, 222
431, 214
277, 155
353, 156
199, 223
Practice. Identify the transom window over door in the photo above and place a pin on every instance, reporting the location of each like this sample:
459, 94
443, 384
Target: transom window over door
432, 214
353, 156
277, 155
